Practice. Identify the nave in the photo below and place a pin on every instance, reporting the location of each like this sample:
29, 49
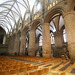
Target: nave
37, 37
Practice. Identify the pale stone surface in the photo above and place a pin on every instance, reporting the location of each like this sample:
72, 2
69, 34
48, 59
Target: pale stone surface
37, 44
70, 30
17, 39
31, 49
11, 44
58, 35
46, 40
23, 43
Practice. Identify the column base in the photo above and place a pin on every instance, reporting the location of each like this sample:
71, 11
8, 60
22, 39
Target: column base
47, 54
31, 53
71, 48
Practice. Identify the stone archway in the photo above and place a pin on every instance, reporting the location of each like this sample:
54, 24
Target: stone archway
51, 15
32, 37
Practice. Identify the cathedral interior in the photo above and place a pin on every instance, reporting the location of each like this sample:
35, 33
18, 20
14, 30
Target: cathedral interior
37, 37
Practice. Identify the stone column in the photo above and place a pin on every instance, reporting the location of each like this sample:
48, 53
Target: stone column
58, 51
10, 45
37, 45
69, 19
58, 39
23, 43
13, 43
7, 40
17, 39
46, 40
31, 50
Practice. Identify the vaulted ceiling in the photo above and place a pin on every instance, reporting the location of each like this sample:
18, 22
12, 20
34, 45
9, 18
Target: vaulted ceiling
14, 12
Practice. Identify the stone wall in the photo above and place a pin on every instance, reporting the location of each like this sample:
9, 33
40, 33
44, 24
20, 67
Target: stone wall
3, 49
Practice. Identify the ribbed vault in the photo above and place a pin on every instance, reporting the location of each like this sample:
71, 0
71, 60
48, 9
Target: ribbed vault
15, 12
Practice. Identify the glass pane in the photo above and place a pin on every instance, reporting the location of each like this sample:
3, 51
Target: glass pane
52, 24
61, 22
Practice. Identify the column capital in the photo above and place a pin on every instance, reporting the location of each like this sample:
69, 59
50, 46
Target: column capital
67, 13
45, 23
32, 30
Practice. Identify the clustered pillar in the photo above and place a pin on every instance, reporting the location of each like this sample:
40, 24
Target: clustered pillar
69, 19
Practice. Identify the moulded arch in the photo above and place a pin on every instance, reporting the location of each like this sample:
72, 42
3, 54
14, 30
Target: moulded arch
51, 13
63, 27
72, 6
25, 29
2, 29
35, 24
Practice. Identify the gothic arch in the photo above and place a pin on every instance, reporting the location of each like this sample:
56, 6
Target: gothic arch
35, 23
25, 29
51, 13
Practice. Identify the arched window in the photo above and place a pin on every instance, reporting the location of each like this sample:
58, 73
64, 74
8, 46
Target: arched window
64, 35
40, 41
37, 6
52, 38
